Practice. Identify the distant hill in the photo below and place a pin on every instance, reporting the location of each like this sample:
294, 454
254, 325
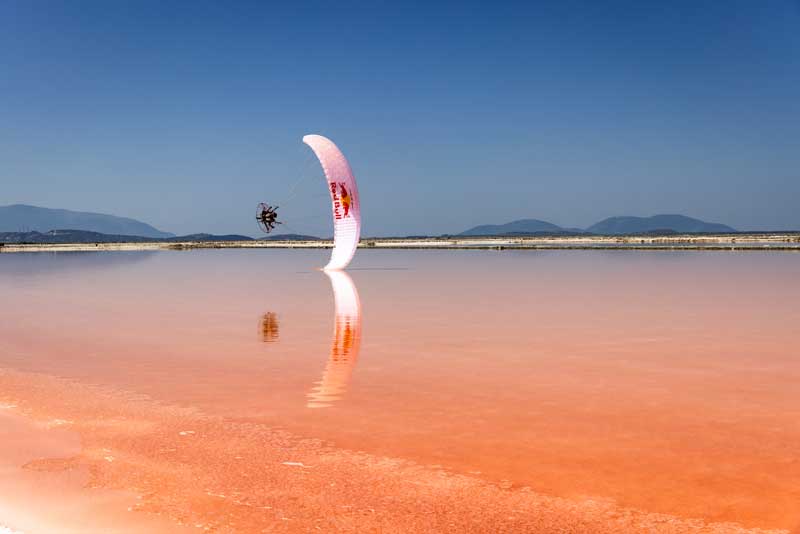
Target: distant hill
83, 236
69, 236
522, 226
23, 218
657, 223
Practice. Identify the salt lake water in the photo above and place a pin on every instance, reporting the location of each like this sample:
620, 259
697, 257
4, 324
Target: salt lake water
654, 381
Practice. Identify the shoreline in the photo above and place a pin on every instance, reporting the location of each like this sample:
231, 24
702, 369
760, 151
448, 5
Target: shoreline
736, 242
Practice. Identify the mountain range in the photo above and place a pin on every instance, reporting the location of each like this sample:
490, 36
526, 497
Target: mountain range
20, 223
522, 226
85, 236
24, 218
659, 224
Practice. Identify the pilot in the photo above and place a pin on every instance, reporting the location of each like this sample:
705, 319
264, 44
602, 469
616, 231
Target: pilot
268, 217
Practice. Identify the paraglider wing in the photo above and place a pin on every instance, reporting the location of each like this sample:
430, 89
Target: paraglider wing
344, 200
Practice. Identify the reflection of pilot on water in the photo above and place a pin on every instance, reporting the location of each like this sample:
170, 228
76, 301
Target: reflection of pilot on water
269, 327
345, 346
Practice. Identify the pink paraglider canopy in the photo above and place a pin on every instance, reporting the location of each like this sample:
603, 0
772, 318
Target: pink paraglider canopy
344, 200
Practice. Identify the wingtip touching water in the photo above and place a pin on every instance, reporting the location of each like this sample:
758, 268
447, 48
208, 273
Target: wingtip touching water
345, 203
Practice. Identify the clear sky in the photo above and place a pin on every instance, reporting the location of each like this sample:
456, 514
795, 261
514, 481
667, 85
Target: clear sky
187, 114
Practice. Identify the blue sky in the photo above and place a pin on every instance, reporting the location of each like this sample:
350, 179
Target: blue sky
187, 114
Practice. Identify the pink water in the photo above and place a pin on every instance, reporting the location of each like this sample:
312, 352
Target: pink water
663, 381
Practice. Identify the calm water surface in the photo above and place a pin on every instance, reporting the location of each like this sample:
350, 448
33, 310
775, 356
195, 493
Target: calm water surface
666, 381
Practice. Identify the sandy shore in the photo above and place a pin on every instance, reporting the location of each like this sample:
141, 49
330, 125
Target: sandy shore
223, 475
771, 242
42, 492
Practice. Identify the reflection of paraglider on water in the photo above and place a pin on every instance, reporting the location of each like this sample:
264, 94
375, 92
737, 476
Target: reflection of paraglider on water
269, 327
345, 205
345, 346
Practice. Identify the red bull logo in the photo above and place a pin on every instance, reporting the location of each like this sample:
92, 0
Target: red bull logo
342, 201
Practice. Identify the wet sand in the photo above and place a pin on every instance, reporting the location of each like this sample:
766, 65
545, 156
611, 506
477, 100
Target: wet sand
611, 392
46, 488
224, 476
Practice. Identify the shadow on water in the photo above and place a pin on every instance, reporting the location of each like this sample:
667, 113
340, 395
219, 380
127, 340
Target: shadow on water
364, 269
380, 269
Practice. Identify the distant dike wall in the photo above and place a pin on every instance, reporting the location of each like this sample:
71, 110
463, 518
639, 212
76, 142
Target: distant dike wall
788, 241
